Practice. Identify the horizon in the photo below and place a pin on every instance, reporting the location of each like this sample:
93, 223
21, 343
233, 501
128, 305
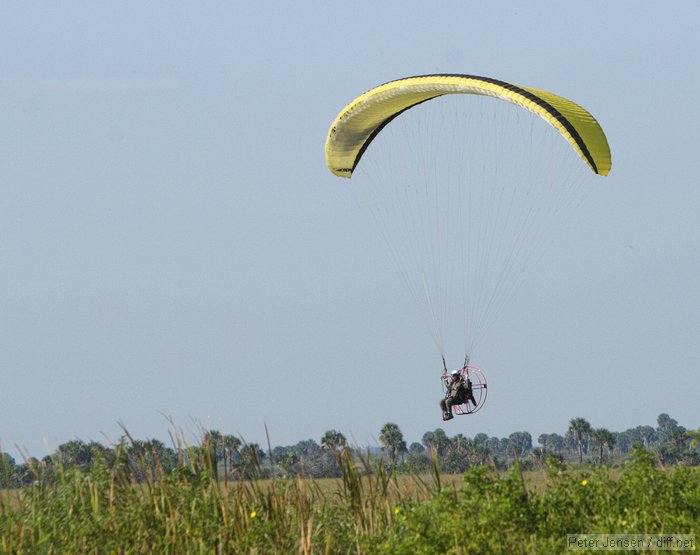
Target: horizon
175, 434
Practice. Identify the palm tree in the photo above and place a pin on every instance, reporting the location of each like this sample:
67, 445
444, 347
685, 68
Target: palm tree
601, 436
333, 440
610, 442
648, 435
679, 438
694, 438
555, 442
252, 457
231, 444
437, 440
212, 444
578, 427
75, 453
520, 442
391, 438
666, 425
537, 456
286, 459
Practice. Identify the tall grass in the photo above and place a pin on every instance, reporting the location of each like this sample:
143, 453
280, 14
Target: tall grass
127, 505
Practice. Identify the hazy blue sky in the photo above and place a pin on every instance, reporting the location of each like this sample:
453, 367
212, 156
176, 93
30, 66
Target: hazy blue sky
171, 242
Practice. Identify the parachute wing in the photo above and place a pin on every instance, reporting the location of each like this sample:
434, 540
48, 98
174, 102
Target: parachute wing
361, 120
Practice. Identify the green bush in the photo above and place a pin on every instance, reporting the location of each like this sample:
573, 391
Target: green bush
118, 506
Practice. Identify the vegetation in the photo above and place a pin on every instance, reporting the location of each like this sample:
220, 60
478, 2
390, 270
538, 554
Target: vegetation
234, 459
225, 495
125, 506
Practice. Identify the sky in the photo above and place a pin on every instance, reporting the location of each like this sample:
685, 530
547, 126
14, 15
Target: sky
173, 248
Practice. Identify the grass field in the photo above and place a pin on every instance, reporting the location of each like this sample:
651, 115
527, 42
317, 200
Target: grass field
368, 510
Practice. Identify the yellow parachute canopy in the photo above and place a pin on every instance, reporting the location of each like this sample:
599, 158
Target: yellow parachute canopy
361, 120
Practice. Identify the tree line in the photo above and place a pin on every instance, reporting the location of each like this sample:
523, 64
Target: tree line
231, 457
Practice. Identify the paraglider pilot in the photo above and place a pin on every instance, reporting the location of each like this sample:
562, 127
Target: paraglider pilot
458, 392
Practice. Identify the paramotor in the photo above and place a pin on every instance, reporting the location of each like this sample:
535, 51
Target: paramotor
463, 209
